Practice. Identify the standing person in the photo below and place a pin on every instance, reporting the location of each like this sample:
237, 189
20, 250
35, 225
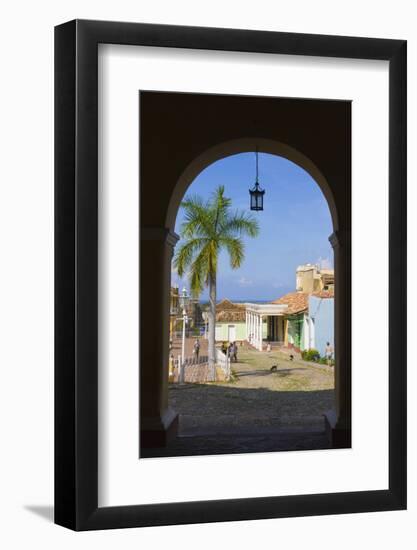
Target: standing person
230, 351
196, 349
268, 347
329, 353
171, 365
224, 348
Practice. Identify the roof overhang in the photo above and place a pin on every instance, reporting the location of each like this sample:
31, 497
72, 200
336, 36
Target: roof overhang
267, 309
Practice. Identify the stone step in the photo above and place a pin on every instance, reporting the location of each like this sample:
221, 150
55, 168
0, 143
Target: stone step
227, 444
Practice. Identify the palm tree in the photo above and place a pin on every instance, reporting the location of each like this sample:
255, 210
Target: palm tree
209, 227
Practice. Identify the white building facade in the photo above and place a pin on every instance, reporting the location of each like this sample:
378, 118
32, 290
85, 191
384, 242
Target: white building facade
257, 315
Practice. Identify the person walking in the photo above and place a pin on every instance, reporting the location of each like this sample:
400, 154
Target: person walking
196, 350
328, 353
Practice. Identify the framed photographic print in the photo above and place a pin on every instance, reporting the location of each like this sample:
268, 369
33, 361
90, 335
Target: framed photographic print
230, 275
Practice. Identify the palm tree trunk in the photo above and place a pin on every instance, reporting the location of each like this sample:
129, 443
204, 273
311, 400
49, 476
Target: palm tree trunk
212, 328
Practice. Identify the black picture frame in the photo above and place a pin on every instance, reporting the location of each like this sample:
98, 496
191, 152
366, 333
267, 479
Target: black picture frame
76, 268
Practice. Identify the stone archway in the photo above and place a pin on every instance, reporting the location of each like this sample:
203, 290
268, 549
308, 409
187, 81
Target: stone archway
197, 150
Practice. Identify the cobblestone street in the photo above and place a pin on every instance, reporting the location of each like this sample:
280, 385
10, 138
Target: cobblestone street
259, 410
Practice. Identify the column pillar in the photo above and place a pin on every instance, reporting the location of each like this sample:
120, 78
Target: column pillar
260, 332
252, 332
280, 329
158, 423
251, 326
306, 329
338, 421
312, 334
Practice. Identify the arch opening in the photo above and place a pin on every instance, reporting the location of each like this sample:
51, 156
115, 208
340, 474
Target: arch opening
278, 327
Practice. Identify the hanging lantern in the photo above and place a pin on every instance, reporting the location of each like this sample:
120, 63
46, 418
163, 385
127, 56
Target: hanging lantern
256, 193
256, 197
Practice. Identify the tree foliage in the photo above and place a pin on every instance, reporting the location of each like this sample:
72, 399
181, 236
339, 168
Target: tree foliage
209, 227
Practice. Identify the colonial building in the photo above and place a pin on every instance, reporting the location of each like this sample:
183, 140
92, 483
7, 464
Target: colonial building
309, 278
252, 322
298, 320
308, 321
230, 322
293, 321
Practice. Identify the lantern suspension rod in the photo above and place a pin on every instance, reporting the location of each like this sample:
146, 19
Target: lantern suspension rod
256, 154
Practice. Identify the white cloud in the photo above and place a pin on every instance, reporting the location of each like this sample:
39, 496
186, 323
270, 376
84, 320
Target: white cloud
244, 282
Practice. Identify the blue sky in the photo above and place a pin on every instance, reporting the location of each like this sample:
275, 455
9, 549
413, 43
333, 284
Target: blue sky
294, 225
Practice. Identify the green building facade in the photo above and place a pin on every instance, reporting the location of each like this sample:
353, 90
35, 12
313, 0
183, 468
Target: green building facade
234, 331
296, 330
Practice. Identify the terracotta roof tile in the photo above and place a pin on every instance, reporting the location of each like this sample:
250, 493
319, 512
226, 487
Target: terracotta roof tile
228, 312
296, 301
227, 304
230, 316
